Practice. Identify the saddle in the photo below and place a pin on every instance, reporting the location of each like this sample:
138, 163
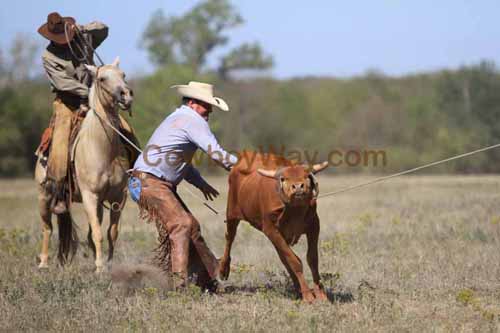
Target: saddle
76, 124
127, 158
43, 148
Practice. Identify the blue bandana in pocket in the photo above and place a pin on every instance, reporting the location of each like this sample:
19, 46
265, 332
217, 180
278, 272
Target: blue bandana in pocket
134, 188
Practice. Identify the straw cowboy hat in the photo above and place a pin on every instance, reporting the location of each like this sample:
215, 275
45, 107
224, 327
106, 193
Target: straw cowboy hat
203, 92
53, 30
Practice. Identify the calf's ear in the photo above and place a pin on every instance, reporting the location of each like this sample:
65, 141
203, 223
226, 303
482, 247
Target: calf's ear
267, 173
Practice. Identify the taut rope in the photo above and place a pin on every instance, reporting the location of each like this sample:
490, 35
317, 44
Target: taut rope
381, 179
350, 188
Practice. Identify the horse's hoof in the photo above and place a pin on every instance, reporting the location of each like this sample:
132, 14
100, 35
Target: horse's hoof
100, 270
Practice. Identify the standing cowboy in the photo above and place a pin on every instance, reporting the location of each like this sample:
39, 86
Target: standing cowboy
165, 162
70, 48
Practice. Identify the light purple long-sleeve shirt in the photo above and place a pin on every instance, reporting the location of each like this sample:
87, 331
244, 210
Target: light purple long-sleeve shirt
170, 149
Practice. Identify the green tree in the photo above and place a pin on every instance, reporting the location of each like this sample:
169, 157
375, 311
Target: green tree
24, 107
190, 38
23, 52
243, 57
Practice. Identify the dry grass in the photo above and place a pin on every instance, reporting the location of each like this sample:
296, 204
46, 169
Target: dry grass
414, 254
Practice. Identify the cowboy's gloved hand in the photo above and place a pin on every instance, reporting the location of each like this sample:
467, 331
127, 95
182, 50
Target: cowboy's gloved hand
209, 192
79, 27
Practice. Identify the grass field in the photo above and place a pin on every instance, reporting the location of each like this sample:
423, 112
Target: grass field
412, 254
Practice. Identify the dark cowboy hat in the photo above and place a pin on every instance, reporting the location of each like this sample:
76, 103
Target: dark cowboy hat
54, 28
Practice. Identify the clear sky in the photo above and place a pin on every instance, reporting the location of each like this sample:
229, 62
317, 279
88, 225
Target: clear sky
326, 38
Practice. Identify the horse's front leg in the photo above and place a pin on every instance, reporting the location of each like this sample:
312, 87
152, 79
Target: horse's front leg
90, 204
114, 220
89, 235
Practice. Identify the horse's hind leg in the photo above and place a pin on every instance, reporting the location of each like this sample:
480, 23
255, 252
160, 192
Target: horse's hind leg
114, 220
46, 219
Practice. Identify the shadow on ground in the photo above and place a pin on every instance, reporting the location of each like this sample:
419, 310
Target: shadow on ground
284, 291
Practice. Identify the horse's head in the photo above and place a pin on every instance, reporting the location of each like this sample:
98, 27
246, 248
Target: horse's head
110, 85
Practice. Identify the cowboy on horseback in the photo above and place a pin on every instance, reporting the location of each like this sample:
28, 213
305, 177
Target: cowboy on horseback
71, 47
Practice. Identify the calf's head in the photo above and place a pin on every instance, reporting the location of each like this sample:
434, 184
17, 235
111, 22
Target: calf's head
296, 184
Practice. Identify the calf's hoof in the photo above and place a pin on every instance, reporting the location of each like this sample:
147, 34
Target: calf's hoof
224, 269
320, 295
308, 297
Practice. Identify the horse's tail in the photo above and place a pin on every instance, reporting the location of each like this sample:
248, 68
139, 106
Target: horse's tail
68, 238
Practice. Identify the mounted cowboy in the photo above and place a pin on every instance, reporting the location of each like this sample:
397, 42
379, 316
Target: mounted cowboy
71, 47
164, 163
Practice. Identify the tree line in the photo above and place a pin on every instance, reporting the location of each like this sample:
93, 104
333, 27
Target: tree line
414, 119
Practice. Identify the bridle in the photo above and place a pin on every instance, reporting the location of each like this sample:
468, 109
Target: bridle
100, 87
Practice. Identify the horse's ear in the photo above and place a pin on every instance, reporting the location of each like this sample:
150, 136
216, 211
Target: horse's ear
91, 69
116, 63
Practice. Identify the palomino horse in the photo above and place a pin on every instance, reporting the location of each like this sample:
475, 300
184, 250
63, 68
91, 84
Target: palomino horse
99, 174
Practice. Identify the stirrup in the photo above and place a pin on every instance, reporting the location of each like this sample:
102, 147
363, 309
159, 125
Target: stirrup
59, 208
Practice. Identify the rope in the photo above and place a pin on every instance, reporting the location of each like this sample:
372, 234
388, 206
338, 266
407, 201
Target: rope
350, 188
118, 132
82, 38
215, 211
85, 56
381, 179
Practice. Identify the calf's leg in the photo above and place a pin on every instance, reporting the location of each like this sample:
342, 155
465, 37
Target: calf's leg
224, 265
312, 257
289, 259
